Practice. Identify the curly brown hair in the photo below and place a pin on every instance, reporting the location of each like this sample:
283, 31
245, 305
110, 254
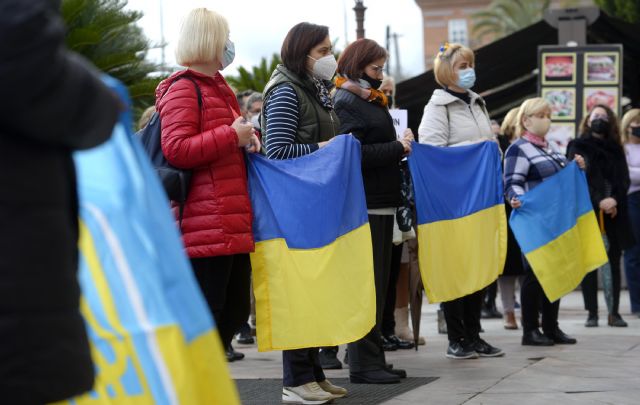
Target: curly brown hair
614, 127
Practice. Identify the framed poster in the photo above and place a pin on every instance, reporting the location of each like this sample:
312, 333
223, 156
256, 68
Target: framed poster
600, 95
562, 100
601, 68
558, 68
560, 134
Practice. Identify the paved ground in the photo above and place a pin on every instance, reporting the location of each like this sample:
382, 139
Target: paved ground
603, 368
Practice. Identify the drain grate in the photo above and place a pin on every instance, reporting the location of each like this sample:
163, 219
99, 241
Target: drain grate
269, 391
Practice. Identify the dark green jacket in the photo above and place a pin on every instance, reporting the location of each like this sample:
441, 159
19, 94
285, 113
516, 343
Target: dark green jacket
315, 124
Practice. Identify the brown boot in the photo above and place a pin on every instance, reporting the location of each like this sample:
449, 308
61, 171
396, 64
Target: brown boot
510, 320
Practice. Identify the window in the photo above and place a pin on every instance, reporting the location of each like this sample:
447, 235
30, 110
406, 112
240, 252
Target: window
458, 31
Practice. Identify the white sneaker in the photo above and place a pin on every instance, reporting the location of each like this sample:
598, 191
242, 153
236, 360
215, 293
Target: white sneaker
334, 390
307, 394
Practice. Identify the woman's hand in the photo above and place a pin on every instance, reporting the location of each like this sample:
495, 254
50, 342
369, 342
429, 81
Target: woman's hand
244, 131
408, 134
406, 140
608, 204
515, 203
254, 145
613, 212
580, 161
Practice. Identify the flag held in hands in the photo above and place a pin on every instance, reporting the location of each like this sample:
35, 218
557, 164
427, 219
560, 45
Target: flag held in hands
313, 264
462, 234
153, 338
558, 232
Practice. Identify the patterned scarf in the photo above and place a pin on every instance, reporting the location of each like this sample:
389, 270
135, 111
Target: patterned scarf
376, 96
323, 93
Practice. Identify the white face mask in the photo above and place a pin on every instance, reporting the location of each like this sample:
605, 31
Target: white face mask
325, 67
538, 126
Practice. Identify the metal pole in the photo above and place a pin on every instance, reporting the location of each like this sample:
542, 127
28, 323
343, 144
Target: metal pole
163, 44
359, 9
387, 47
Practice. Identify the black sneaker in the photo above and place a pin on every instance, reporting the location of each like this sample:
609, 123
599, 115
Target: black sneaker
484, 349
388, 346
457, 350
401, 343
328, 357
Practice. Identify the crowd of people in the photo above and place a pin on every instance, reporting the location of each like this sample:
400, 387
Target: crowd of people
311, 98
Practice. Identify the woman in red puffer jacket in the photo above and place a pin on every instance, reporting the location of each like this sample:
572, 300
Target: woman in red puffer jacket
211, 141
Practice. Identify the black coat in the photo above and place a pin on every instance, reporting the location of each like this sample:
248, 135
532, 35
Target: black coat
606, 163
381, 153
513, 265
51, 104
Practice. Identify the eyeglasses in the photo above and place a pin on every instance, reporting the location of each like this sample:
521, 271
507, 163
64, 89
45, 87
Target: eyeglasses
377, 69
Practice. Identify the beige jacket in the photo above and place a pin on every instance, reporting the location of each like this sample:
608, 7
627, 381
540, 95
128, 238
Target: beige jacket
448, 121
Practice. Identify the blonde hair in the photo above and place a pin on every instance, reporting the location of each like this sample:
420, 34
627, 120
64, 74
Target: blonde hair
446, 59
530, 107
509, 123
146, 117
630, 117
203, 36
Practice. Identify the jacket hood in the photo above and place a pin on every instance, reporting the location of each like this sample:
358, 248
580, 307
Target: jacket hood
442, 97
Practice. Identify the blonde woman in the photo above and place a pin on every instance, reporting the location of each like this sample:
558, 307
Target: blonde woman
513, 264
455, 115
631, 137
528, 162
211, 140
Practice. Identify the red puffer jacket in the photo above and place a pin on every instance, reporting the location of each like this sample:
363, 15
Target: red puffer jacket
217, 215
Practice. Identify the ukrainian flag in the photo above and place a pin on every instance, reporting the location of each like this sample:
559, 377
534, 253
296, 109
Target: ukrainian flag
558, 232
152, 336
313, 264
462, 225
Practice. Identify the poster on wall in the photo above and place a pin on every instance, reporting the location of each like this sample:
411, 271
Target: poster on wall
600, 95
560, 134
563, 102
601, 68
558, 68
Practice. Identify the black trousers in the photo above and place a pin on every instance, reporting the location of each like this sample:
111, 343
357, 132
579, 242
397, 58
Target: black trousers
388, 316
590, 281
301, 366
490, 293
533, 299
463, 317
224, 281
366, 354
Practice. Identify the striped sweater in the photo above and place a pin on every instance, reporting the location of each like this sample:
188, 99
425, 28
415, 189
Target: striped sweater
281, 113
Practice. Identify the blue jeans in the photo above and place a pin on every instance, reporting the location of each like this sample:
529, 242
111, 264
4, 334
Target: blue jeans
632, 255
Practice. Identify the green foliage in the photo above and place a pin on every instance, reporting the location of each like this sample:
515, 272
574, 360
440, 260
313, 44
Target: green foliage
257, 78
627, 10
504, 17
107, 35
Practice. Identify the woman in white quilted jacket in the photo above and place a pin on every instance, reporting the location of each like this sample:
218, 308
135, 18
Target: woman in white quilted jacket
456, 116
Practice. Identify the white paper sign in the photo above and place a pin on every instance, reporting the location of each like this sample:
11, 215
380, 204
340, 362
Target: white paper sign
400, 121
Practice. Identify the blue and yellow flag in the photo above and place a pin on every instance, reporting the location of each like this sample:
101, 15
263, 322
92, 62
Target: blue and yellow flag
558, 232
313, 265
462, 225
152, 336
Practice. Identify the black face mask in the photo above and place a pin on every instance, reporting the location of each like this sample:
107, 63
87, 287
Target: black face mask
635, 131
390, 102
374, 83
600, 126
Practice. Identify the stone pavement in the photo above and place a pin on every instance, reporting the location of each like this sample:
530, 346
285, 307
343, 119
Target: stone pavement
603, 368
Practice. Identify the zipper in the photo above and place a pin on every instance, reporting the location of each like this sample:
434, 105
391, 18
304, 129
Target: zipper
333, 127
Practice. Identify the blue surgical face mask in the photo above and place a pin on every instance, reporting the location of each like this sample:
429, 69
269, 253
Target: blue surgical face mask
229, 54
466, 78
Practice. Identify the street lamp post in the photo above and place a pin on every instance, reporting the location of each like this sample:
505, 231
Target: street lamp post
359, 9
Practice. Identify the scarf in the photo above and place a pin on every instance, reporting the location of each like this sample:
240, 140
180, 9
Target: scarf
536, 140
323, 93
376, 96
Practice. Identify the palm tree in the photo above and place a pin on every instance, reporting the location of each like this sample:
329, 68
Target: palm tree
504, 17
257, 78
107, 35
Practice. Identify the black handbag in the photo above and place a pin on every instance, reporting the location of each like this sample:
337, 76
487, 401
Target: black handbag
405, 212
